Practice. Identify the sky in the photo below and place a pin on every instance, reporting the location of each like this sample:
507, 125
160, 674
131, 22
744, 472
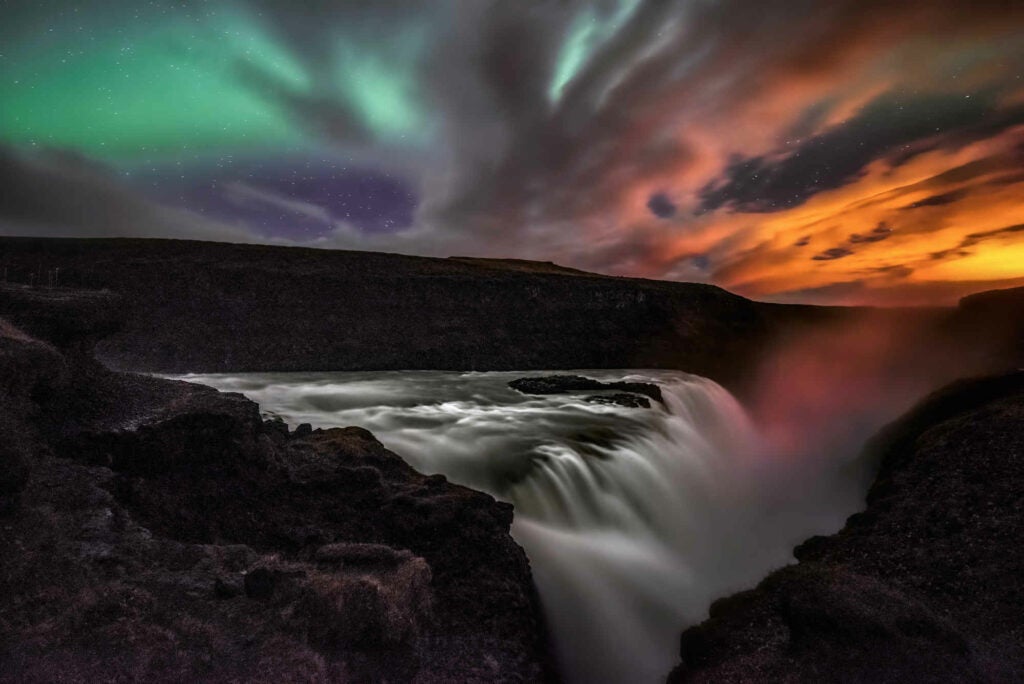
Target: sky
847, 152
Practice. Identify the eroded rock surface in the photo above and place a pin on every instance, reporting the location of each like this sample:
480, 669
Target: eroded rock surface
565, 384
161, 531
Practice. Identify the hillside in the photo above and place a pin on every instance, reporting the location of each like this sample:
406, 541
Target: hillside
922, 586
211, 307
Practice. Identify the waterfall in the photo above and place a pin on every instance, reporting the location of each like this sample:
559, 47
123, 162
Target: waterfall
634, 519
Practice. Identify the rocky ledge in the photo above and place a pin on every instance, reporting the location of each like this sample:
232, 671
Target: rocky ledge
923, 586
567, 384
161, 531
251, 307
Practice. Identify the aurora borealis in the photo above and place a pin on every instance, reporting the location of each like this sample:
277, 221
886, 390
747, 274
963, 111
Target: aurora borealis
840, 152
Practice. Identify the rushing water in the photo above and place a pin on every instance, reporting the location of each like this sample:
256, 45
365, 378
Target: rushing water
634, 519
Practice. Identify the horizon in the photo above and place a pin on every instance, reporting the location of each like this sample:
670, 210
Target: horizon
839, 154
947, 303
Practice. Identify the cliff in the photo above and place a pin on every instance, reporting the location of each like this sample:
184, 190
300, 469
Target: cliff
209, 307
161, 531
923, 586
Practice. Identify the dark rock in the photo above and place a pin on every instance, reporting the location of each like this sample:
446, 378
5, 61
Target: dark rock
923, 586
29, 371
399, 312
564, 384
15, 456
303, 430
67, 318
990, 327
276, 426
362, 555
199, 432
133, 505
354, 611
620, 399
303, 536
260, 583
226, 588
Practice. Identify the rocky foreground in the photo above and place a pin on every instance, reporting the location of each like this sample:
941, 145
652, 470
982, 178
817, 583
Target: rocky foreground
925, 585
161, 531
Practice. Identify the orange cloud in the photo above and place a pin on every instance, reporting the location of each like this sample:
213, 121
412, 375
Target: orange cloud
726, 112
944, 216
928, 230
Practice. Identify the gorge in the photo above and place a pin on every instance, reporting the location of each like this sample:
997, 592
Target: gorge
634, 518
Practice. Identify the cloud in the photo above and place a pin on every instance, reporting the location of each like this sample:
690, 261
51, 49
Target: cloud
970, 240
900, 123
974, 238
245, 194
636, 94
833, 253
881, 232
938, 200
59, 193
689, 99
661, 205
656, 138
322, 115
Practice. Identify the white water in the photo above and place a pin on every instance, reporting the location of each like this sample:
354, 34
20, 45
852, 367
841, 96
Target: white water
634, 519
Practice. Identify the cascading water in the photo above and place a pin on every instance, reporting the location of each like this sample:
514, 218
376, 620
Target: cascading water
634, 519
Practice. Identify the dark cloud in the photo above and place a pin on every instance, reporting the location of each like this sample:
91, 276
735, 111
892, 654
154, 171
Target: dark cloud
972, 239
832, 254
588, 150
938, 200
661, 205
881, 232
975, 238
897, 271
803, 242
62, 193
301, 200
833, 158
947, 253
824, 294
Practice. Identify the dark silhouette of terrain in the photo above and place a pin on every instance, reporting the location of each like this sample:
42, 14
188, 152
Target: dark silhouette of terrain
923, 586
561, 384
214, 307
209, 307
156, 530
162, 531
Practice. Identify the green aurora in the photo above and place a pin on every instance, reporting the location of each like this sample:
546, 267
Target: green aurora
174, 84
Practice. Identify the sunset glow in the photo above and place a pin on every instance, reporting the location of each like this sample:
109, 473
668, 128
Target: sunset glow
843, 152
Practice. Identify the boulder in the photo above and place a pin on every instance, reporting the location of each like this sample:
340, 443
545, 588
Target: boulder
620, 399
565, 384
